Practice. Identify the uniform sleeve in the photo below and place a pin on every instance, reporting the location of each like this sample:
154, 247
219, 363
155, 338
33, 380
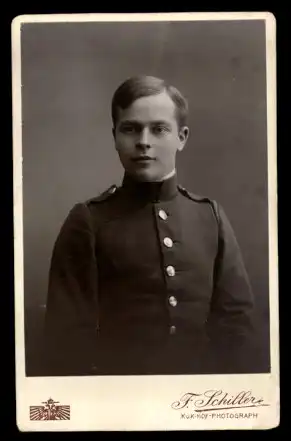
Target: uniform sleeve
230, 322
71, 322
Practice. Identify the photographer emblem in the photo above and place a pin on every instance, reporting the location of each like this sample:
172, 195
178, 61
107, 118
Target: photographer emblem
50, 410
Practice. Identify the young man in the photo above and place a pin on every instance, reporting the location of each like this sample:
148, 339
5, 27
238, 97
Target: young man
147, 278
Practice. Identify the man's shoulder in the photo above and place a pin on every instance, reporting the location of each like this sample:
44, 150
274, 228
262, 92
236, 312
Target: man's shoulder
201, 200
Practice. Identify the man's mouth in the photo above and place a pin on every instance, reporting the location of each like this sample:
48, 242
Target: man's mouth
143, 158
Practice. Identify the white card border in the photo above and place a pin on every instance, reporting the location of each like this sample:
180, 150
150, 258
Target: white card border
109, 411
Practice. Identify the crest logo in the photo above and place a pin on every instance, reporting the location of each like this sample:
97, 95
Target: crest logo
49, 410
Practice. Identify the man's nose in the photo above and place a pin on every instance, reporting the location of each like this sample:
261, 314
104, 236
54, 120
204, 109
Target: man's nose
143, 140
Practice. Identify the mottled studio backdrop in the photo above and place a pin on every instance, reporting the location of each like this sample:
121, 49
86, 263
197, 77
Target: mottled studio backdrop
69, 73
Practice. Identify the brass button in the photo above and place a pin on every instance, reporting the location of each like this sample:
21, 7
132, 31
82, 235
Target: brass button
170, 270
173, 301
163, 215
168, 242
173, 330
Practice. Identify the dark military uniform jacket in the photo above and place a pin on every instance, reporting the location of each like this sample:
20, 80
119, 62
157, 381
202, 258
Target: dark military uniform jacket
147, 279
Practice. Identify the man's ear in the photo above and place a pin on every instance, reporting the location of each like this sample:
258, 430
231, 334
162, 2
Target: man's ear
183, 136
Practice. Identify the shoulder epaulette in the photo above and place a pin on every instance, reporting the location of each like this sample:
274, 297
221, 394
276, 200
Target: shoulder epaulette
192, 196
198, 198
104, 195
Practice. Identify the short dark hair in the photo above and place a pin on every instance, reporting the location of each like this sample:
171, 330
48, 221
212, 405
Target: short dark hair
142, 86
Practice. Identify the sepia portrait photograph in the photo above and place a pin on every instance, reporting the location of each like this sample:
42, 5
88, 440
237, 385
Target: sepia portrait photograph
145, 221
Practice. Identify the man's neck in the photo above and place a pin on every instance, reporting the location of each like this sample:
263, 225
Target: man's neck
161, 189
168, 176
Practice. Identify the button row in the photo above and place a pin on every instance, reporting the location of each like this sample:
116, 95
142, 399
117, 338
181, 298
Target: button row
170, 269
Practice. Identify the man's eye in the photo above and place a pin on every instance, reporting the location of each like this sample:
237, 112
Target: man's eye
127, 129
159, 129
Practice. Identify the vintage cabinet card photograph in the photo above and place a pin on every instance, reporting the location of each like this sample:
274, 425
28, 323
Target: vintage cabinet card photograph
145, 221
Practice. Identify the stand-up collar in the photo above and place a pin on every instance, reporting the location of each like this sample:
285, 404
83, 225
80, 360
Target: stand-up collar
151, 191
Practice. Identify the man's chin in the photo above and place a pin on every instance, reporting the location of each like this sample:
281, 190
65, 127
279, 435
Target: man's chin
145, 176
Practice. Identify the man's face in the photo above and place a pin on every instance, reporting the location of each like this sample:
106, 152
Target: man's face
147, 137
